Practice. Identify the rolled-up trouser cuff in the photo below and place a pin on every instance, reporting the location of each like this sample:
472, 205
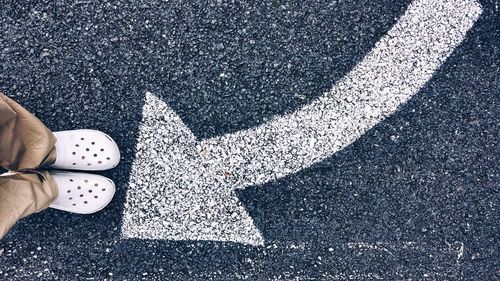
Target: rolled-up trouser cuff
22, 194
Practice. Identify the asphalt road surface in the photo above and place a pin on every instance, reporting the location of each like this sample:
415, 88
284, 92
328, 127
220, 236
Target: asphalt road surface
415, 197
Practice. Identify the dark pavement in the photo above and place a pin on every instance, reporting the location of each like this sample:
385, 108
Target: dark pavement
416, 198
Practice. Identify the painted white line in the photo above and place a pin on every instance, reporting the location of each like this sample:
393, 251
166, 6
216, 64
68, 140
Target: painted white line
183, 189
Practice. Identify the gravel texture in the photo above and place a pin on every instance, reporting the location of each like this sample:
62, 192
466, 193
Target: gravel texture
416, 197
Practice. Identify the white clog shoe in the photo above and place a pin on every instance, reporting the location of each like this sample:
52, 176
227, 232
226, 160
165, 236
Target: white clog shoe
88, 150
82, 193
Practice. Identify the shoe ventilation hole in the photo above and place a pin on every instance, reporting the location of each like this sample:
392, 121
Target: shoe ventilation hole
69, 190
85, 202
92, 143
87, 149
90, 190
104, 189
74, 204
71, 198
96, 184
95, 155
77, 145
82, 138
100, 162
81, 195
89, 164
102, 149
96, 197
74, 164
71, 180
107, 158
74, 153
79, 187
83, 157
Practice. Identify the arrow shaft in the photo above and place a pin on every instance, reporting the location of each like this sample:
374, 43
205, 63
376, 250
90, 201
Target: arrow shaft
395, 70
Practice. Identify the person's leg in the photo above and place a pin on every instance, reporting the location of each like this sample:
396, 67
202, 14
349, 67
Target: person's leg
25, 143
22, 194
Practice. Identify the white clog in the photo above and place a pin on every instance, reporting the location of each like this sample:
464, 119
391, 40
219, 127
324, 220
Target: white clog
88, 150
82, 193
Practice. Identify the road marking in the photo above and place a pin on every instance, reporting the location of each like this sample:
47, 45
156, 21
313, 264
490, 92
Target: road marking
184, 189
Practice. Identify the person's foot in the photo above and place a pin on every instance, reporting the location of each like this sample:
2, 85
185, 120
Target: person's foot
88, 150
82, 193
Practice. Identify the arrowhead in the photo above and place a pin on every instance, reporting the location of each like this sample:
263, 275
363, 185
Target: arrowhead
174, 193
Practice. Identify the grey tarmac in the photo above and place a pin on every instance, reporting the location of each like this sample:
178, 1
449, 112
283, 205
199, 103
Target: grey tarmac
414, 197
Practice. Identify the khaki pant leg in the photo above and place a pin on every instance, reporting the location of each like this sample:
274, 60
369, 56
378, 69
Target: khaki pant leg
25, 143
22, 194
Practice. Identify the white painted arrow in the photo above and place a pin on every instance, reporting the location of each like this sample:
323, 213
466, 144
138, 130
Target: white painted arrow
184, 189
